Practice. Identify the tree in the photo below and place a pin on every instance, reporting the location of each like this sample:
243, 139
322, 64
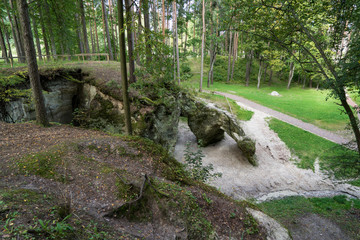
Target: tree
83, 23
130, 41
202, 46
124, 81
176, 43
34, 76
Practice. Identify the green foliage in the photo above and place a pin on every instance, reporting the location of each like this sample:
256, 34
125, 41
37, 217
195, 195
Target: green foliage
196, 169
337, 159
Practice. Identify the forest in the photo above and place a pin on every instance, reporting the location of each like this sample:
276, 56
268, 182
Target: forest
181, 119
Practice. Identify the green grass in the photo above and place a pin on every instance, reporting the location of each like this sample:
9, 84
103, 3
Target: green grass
307, 146
308, 105
242, 114
338, 209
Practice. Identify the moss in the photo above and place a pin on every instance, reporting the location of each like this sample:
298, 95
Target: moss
42, 164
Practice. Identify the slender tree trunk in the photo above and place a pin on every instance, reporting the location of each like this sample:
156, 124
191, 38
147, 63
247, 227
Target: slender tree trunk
3, 47
194, 35
95, 27
139, 32
93, 47
259, 74
234, 56
130, 42
84, 30
176, 42
202, 46
17, 30
50, 27
186, 28
163, 18
112, 35
126, 101
36, 33
147, 31
229, 59
154, 16
310, 82
46, 43
15, 36
34, 76
8, 44
248, 67
106, 29
291, 74
78, 33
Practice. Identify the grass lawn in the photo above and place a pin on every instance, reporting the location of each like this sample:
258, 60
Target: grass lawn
307, 146
308, 105
344, 212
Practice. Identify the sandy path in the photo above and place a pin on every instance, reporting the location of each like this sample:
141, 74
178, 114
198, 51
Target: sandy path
291, 120
276, 176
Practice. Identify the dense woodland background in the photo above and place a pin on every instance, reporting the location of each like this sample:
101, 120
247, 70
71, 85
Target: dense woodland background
315, 43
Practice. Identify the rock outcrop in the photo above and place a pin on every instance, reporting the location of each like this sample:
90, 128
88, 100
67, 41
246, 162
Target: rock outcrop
208, 123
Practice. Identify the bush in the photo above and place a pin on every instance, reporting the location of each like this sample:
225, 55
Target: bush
195, 166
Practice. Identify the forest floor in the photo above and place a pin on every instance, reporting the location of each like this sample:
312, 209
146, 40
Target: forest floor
62, 182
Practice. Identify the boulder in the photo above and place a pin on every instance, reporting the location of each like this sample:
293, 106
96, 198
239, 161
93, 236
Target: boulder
208, 123
275, 93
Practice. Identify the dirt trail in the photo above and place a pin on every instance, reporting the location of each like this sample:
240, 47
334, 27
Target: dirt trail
275, 177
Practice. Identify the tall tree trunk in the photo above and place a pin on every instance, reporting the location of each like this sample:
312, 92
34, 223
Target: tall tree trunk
234, 55
84, 30
291, 74
139, 32
194, 36
163, 18
78, 33
106, 29
95, 27
15, 36
93, 47
248, 67
34, 76
50, 27
112, 35
259, 74
186, 28
9, 47
154, 15
202, 46
46, 43
36, 33
130, 42
17, 30
147, 31
126, 101
3, 47
176, 42
229, 59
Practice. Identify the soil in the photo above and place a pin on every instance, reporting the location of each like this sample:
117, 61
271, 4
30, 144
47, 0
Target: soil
86, 182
